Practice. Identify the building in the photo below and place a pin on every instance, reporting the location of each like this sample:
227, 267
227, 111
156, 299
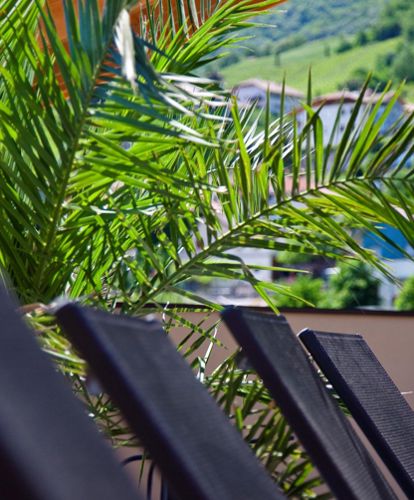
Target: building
400, 266
408, 108
335, 110
256, 90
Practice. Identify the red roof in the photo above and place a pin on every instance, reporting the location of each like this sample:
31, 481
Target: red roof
347, 96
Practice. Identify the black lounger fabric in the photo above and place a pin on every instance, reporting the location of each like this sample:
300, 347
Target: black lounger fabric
199, 452
371, 396
49, 448
315, 417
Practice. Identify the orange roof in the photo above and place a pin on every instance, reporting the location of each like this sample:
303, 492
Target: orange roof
57, 10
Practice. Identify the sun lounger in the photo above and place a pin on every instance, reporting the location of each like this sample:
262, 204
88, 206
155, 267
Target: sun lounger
49, 448
279, 359
200, 454
371, 397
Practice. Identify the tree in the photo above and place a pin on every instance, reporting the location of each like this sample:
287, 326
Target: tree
408, 26
353, 286
403, 65
361, 39
119, 190
387, 28
277, 58
402, 62
304, 291
378, 81
343, 46
405, 299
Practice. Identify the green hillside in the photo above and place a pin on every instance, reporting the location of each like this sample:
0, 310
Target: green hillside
328, 72
297, 21
316, 19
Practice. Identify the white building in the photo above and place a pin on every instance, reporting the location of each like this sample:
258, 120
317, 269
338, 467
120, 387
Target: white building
337, 108
408, 108
255, 90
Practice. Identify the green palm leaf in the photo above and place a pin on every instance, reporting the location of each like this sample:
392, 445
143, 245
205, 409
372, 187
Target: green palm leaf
115, 195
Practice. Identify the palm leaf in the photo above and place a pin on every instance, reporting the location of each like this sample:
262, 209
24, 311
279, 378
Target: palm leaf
113, 196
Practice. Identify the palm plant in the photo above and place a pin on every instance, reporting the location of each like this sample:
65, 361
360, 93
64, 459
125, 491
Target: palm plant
118, 194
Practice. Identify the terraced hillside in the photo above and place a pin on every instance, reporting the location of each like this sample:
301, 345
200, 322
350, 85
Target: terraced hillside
328, 71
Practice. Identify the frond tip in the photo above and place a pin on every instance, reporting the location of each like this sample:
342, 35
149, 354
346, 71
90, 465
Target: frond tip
124, 40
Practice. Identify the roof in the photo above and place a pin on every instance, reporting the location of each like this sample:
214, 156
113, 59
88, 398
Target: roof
274, 88
342, 96
336, 97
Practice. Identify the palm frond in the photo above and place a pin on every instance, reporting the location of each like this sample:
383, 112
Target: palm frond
113, 193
